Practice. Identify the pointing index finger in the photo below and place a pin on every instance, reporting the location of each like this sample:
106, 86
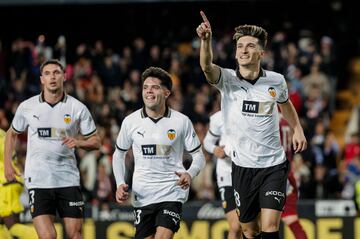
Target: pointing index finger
204, 17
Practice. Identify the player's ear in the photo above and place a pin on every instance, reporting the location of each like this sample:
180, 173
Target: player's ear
167, 93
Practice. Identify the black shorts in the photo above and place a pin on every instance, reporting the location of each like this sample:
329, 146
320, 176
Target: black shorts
67, 202
256, 188
164, 214
227, 198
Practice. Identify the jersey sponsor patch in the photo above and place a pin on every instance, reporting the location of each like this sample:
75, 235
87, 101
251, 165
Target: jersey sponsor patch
255, 107
156, 149
44, 132
149, 149
51, 133
250, 106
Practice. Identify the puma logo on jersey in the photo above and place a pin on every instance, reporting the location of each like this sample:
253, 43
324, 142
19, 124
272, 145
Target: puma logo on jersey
142, 134
36, 117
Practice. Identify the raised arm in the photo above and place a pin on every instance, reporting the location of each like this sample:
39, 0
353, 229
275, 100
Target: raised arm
211, 71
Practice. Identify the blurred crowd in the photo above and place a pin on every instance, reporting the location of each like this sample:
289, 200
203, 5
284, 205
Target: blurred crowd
108, 82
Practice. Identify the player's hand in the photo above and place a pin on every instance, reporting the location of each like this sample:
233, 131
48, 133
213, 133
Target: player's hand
184, 179
299, 141
10, 173
70, 142
219, 152
204, 29
121, 193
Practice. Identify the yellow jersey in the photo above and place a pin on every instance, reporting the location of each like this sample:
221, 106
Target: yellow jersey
2, 156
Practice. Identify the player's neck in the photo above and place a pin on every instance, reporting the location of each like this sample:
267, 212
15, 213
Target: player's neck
156, 113
53, 97
250, 72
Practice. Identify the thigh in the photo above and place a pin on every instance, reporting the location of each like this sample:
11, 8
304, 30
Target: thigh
246, 192
73, 226
227, 198
69, 202
273, 189
44, 225
10, 199
169, 215
42, 202
145, 218
290, 207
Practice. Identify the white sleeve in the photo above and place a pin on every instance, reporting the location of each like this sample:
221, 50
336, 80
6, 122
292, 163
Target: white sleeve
210, 142
214, 132
192, 142
284, 94
87, 124
19, 123
124, 140
198, 162
118, 164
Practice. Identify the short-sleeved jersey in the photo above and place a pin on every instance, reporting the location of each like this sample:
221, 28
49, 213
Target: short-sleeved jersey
158, 147
49, 162
251, 118
2, 156
223, 166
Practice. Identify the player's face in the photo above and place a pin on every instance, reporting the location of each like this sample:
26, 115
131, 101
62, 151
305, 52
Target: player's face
248, 51
154, 94
52, 78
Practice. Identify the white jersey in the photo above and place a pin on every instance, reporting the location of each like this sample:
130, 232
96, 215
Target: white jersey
158, 147
251, 117
223, 166
49, 163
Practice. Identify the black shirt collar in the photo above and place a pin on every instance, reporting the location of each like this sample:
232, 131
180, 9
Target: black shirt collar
42, 99
167, 114
261, 74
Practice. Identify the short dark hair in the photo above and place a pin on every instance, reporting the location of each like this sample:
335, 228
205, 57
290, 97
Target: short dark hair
52, 62
159, 73
252, 30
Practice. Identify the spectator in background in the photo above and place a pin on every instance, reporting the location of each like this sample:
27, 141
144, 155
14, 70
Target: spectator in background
352, 148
